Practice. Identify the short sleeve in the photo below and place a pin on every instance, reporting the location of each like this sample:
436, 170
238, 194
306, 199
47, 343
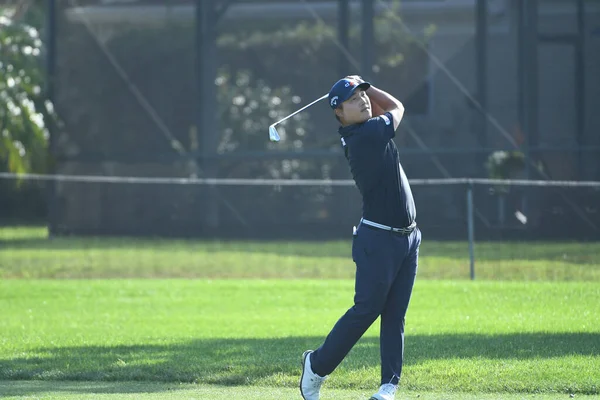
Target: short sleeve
382, 126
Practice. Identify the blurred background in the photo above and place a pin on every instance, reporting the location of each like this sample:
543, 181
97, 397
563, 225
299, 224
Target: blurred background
502, 89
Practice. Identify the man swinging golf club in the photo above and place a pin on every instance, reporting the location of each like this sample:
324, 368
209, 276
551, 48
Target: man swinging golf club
385, 244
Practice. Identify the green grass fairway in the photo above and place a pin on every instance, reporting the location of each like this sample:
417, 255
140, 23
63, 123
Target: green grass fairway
28, 253
238, 329
148, 391
476, 337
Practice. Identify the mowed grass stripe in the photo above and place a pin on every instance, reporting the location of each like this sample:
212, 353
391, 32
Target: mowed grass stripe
194, 263
475, 337
28, 253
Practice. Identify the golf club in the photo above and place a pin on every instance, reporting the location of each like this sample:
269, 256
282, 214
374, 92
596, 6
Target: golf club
273, 135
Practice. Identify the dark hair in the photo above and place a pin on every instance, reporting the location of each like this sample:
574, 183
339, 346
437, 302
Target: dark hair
336, 116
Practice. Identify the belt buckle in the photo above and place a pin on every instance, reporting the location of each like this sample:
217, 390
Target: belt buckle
404, 231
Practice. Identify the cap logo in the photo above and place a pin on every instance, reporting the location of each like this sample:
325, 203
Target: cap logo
334, 100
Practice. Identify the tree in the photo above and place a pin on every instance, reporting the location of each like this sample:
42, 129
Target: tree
24, 110
247, 107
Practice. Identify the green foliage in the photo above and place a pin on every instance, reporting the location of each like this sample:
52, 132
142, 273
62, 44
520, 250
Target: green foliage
309, 39
247, 103
250, 106
505, 164
247, 107
395, 45
24, 111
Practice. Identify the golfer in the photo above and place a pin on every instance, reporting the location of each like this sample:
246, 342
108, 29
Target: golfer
385, 245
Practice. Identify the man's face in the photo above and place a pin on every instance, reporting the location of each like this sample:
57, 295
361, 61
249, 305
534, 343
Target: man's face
356, 109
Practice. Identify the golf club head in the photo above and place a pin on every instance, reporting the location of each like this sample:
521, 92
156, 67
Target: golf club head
273, 135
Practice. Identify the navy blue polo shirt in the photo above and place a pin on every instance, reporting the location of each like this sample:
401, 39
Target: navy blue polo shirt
376, 169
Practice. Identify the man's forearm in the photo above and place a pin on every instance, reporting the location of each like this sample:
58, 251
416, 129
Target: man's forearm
388, 103
383, 99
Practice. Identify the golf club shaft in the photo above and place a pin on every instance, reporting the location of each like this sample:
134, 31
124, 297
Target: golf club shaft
303, 108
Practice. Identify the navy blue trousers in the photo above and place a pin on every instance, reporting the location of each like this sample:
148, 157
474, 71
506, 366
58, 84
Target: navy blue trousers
386, 268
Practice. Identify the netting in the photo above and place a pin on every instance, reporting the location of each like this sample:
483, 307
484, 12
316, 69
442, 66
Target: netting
129, 89
305, 208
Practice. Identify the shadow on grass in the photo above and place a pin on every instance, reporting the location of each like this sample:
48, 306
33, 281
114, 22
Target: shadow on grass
246, 361
26, 388
335, 248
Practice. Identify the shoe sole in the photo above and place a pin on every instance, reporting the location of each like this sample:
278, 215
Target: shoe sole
303, 363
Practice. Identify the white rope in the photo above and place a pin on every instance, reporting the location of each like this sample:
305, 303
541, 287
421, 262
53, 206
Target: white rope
280, 182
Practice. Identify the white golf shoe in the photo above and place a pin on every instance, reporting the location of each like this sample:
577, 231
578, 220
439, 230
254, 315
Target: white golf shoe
386, 392
310, 383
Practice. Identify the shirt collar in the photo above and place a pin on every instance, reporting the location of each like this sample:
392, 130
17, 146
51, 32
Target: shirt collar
348, 130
